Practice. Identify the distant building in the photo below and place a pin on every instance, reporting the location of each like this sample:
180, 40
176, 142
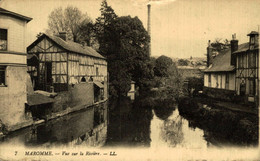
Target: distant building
232, 72
131, 92
13, 69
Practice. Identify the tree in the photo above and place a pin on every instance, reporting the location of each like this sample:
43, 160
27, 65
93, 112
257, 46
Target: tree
72, 21
124, 42
102, 26
219, 46
129, 45
183, 62
162, 65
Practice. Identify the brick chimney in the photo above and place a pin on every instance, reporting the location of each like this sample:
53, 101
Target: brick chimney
149, 25
234, 47
63, 35
209, 54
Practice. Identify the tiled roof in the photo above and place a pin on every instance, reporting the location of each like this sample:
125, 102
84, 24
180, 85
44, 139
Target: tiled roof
69, 46
244, 47
75, 47
221, 63
4, 11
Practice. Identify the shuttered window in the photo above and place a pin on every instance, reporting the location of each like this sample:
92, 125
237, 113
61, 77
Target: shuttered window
3, 39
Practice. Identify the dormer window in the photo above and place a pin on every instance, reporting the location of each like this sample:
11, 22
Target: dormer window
3, 39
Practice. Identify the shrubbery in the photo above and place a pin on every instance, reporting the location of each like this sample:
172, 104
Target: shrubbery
231, 125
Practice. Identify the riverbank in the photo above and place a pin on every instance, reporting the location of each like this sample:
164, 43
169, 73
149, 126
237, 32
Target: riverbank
31, 122
234, 125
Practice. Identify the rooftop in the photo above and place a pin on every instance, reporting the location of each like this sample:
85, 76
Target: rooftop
16, 15
221, 63
253, 33
69, 46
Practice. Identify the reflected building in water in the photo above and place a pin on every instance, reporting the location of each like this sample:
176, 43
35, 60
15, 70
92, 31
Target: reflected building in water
86, 128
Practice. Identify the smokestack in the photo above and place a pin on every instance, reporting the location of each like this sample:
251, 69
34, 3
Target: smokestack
149, 26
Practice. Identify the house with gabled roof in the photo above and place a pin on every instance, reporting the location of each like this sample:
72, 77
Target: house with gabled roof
62, 62
219, 76
232, 73
77, 73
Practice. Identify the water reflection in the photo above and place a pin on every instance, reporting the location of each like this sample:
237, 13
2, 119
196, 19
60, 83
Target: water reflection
88, 128
175, 132
130, 124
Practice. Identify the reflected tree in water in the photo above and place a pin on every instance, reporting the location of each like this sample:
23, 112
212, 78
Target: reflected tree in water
171, 131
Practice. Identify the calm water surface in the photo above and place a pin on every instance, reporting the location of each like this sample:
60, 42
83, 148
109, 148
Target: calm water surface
126, 123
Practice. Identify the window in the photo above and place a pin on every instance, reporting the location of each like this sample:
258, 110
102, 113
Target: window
209, 80
252, 87
3, 39
240, 62
227, 81
2, 76
97, 71
251, 60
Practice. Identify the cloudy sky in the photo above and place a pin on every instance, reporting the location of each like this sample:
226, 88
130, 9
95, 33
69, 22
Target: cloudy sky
180, 28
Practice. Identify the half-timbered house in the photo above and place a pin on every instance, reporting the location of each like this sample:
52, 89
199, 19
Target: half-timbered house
247, 66
59, 65
62, 62
233, 73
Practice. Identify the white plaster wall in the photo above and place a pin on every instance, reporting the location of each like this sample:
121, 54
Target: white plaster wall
206, 80
6, 58
16, 33
13, 97
223, 81
232, 84
213, 80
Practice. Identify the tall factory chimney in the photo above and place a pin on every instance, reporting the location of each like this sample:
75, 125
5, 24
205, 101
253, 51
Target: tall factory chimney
149, 26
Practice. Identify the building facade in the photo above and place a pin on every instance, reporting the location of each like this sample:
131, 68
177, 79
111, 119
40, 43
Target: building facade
219, 76
233, 73
13, 71
77, 73
247, 69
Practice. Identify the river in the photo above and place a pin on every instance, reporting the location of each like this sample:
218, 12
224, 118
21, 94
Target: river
126, 124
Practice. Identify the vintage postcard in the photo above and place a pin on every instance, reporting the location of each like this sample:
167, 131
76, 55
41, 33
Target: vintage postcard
129, 80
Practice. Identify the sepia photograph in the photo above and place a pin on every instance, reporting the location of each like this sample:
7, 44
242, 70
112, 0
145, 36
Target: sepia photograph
129, 80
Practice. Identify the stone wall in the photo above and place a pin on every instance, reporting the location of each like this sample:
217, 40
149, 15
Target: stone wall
81, 94
13, 96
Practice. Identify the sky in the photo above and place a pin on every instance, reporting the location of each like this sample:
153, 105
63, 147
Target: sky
179, 28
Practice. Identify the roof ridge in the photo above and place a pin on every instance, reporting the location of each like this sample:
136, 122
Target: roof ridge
5, 11
75, 47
